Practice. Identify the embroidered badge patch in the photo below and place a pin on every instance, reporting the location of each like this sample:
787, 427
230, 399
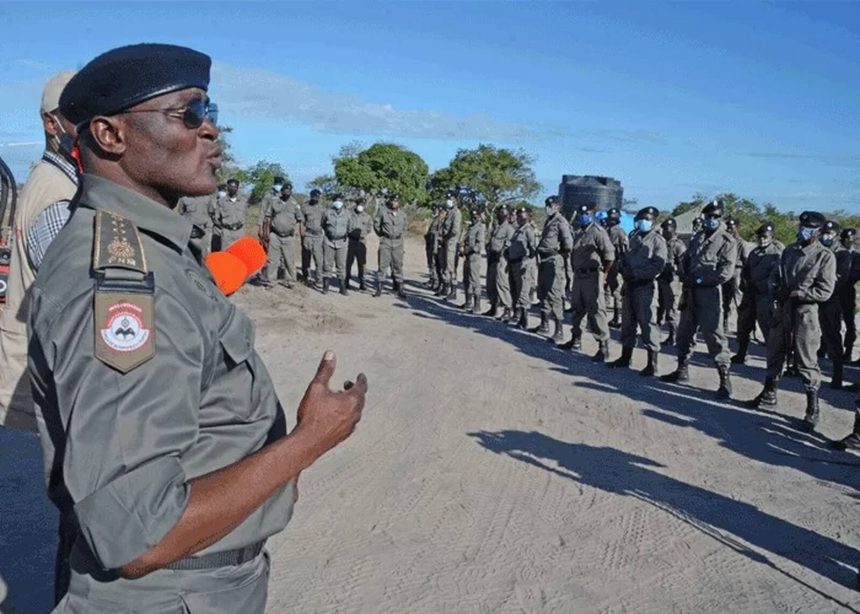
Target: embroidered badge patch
124, 330
125, 335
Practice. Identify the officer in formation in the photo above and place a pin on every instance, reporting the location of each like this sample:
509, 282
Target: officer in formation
830, 311
498, 274
356, 252
848, 293
709, 262
283, 219
390, 225
757, 304
522, 253
473, 243
167, 493
593, 254
274, 194
431, 247
450, 237
667, 283
312, 239
337, 225
805, 278
554, 246
200, 211
732, 288
230, 215
641, 264
620, 242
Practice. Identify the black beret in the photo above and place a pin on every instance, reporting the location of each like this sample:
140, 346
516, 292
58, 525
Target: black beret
766, 228
286, 184
652, 211
315, 192
613, 213
124, 77
849, 233
812, 219
551, 200
233, 181
830, 226
670, 223
393, 196
714, 208
731, 222
278, 180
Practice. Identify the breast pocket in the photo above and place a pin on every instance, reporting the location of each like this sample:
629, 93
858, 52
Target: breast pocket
235, 382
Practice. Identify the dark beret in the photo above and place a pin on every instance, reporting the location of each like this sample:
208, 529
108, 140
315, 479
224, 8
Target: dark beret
831, 226
124, 77
652, 211
812, 219
287, 184
765, 229
670, 223
551, 201
849, 233
613, 213
233, 181
585, 208
315, 192
731, 222
714, 208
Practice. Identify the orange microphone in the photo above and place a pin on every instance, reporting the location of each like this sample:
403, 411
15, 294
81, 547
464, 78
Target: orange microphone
230, 269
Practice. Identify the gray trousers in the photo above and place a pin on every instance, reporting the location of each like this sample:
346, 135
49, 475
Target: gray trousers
802, 320
830, 320
754, 309
228, 237
613, 298
705, 314
472, 275
498, 282
587, 301
390, 255
312, 249
668, 300
449, 251
282, 253
334, 255
356, 252
551, 287
522, 282
639, 309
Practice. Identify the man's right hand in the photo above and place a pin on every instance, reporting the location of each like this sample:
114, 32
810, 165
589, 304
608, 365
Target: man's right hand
327, 418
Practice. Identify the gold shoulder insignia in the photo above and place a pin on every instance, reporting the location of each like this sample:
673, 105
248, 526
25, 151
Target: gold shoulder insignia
117, 244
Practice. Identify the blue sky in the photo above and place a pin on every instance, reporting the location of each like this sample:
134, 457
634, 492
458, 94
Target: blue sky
671, 99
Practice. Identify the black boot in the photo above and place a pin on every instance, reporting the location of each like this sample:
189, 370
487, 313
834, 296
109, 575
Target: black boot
452, 293
725, 389
811, 417
476, 304
852, 442
506, 315
575, 343
651, 368
492, 311
543, 327
558, 332
523, 322
741, 357
467, 304
836, 382
670, 340
442, 290
401, 293
602, 352
624, 361
681, 374
378, 287
344, 287
766, 398
325, 285
615, 322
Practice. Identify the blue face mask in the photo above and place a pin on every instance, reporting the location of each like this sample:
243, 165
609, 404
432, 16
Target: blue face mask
711, 223
805, 234
585, 219
337, 205
644, 226
827, 240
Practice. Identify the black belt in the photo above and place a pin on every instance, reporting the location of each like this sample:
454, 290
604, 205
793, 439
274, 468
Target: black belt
285, 235
237, 227
219, 559
587, 271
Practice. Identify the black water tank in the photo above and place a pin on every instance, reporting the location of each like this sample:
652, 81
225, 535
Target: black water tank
576, 190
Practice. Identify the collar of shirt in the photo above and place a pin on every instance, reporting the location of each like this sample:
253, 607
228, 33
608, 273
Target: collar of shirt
61, 163
148, 215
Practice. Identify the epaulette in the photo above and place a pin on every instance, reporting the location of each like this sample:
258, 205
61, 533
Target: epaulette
124, 301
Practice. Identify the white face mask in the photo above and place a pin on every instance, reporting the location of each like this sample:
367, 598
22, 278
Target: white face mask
359, 208
549, 210
337, 205
277, 187
222, 194
449, 203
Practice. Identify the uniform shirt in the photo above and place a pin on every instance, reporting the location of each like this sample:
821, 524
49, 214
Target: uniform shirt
500, 239
523, 243
313, 218
760, 264
432, 235
474, 240
389, 224
555, 236
266, 206
844, 267
361, 226
199, 210
232, 212
591, 248
620, 240
710, 259
285, 215
645, 257
337, 226
676, 249
119, 449
807, 272
451, 225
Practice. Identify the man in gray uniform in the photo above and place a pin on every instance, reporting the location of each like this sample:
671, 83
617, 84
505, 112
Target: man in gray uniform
284, 220
521, 255
621, 244
708, 263
170, 490
593, 253
553, 247
357, 249
431, 247
337, 224
498, 284
473, 243
805, 278
643, 261
731, 289
830, 311
312, 239
667, 283
450, 240
848, 292
266, 206
200, 211
757, 303
390, 227
231, 213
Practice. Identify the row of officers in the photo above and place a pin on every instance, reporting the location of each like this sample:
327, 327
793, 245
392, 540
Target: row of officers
798, 295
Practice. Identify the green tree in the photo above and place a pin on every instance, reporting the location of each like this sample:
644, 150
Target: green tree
327, 184
382, 168
229, 167
502, 175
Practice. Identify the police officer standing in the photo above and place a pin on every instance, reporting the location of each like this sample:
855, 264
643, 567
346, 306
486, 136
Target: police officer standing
593, 254
830, 311
431, 247
231, 214
284, 217
643, 261
313, 238
172, 491
357, 248
450, 239
498, 280
848, 291
521, 256
621, 244
805, 278
266, 204
554, 246
731, 288
667, 306
473, 242
757, 303
337, 224
708, 263
390, 226
200, 211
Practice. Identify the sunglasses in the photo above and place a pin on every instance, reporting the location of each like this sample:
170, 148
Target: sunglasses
192, 114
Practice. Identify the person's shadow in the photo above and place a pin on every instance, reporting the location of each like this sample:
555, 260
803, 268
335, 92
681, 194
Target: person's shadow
738, 525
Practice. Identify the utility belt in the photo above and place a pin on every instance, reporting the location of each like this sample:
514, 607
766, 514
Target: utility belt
390, 238
219, 559
284, 235
586, 271
232, 226
314, 234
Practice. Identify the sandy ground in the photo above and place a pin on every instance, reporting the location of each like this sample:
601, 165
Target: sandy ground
494, 473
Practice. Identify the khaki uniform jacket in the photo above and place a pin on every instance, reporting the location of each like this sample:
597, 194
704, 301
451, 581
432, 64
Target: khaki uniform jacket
362, 225
232, 212
285, 215
451, 225
523, 243
389, 225
591, 248
620, 240
199, 210
51, 179
313, 218
500, 240
337, 226
710, 260
433, 236
474, 239
555, 238
760, 265
645, 258
122, 442
807, 273
676, 249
